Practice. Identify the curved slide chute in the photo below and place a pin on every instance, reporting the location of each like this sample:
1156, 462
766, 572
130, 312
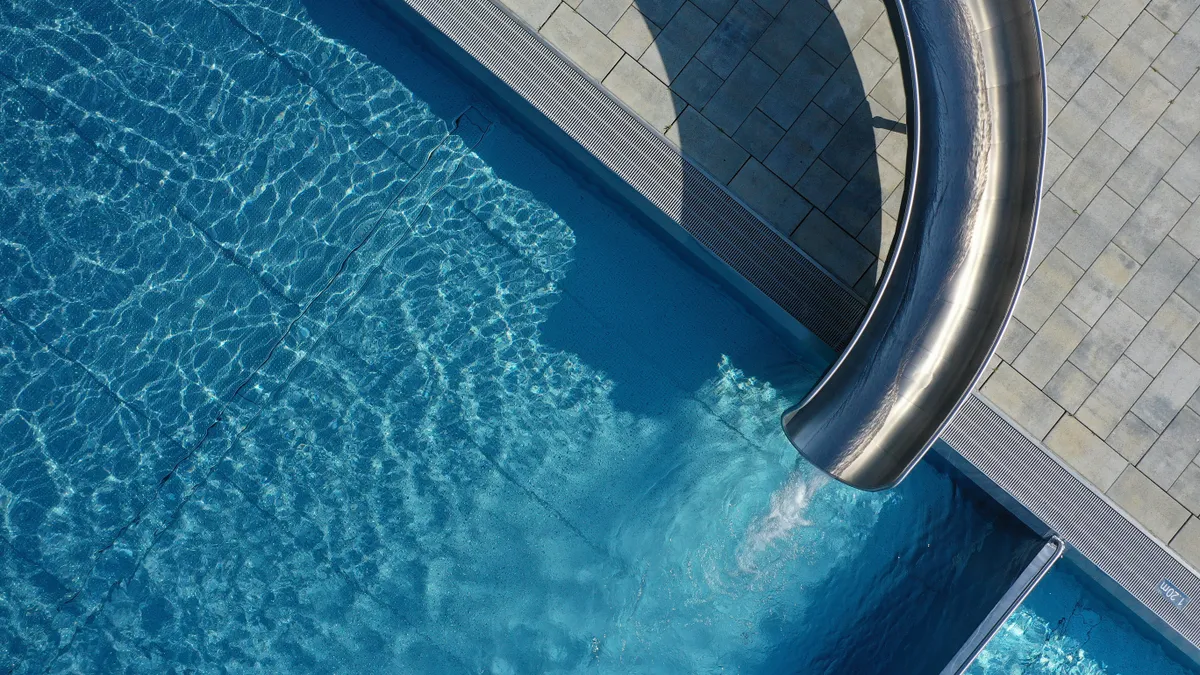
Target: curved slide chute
976, 87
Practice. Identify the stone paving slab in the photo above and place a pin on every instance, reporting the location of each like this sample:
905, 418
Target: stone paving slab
797, 107
1116, 257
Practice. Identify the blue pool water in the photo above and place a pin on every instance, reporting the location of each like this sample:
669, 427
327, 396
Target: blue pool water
311, 362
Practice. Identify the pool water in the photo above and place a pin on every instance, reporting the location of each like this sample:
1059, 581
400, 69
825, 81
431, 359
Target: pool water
311, 361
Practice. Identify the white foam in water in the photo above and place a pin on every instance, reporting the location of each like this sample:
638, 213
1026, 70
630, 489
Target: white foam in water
789, 510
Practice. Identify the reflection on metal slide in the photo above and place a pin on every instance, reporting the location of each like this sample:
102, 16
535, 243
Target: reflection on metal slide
975, 80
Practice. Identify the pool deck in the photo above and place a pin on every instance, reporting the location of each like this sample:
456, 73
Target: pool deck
1100, 367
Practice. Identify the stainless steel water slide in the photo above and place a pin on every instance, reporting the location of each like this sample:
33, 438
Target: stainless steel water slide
975, 80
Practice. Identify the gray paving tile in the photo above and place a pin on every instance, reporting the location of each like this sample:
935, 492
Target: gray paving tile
829, 245
890, 91
773, 199
1138, 111
603, 14
1069, 387
1117, 15
1186, 491
773, 7
850, 83
532, 12
758, 134
1046, 288
678, 41
1078, 57
1169, 392
1084, 114
841, 32
1060, 18
863, 197
1083, 451
1189, 289
573, 3
1187, 230
796, 87
696, 84
1164, 335
711, 149
1054, 105
1185, 175
1132, 438
717, 9
1023, 402
1143, 170
1114, 396
733, 37
1187, 542
786, 36
892, 204
1100, 284
1057, 161
1134, 52
1148, 504
1173, 451
1180, 118
802, 144
880, 36
1151, 286
854, 143
1095, 227
1180, 60
645, 93
732, 103
1173, 13
1050, 346
633, 32
1016, 335
820, 185
660, 11
879, 233
1089, 171
1050, 47
590, 49
1107, 340
865, 287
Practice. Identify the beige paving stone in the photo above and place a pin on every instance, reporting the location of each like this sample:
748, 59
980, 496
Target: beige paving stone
1148, 504
1140, 108
1023, 402
829, 245
1155, 281
1046, 288
1187, 542
774, 200
1132, 438
1153, 220
1083, 114
1051, 346
881, 38
1085, 452
705, 144
1092, 231
603, 14
532, 12
1163, 336
633, 32
1091, 297
645, 93
1016, 335
1169, 392
1113, 397
1087, 173
1174, 449
1186, 489
1107, 340
590, 49
1069, 387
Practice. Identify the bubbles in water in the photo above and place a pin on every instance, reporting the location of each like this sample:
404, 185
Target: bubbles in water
789, 510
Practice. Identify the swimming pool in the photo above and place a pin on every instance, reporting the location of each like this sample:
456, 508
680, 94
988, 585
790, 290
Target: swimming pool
313, 362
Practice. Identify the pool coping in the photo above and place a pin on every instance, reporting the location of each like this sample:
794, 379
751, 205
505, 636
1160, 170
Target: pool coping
989, 448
